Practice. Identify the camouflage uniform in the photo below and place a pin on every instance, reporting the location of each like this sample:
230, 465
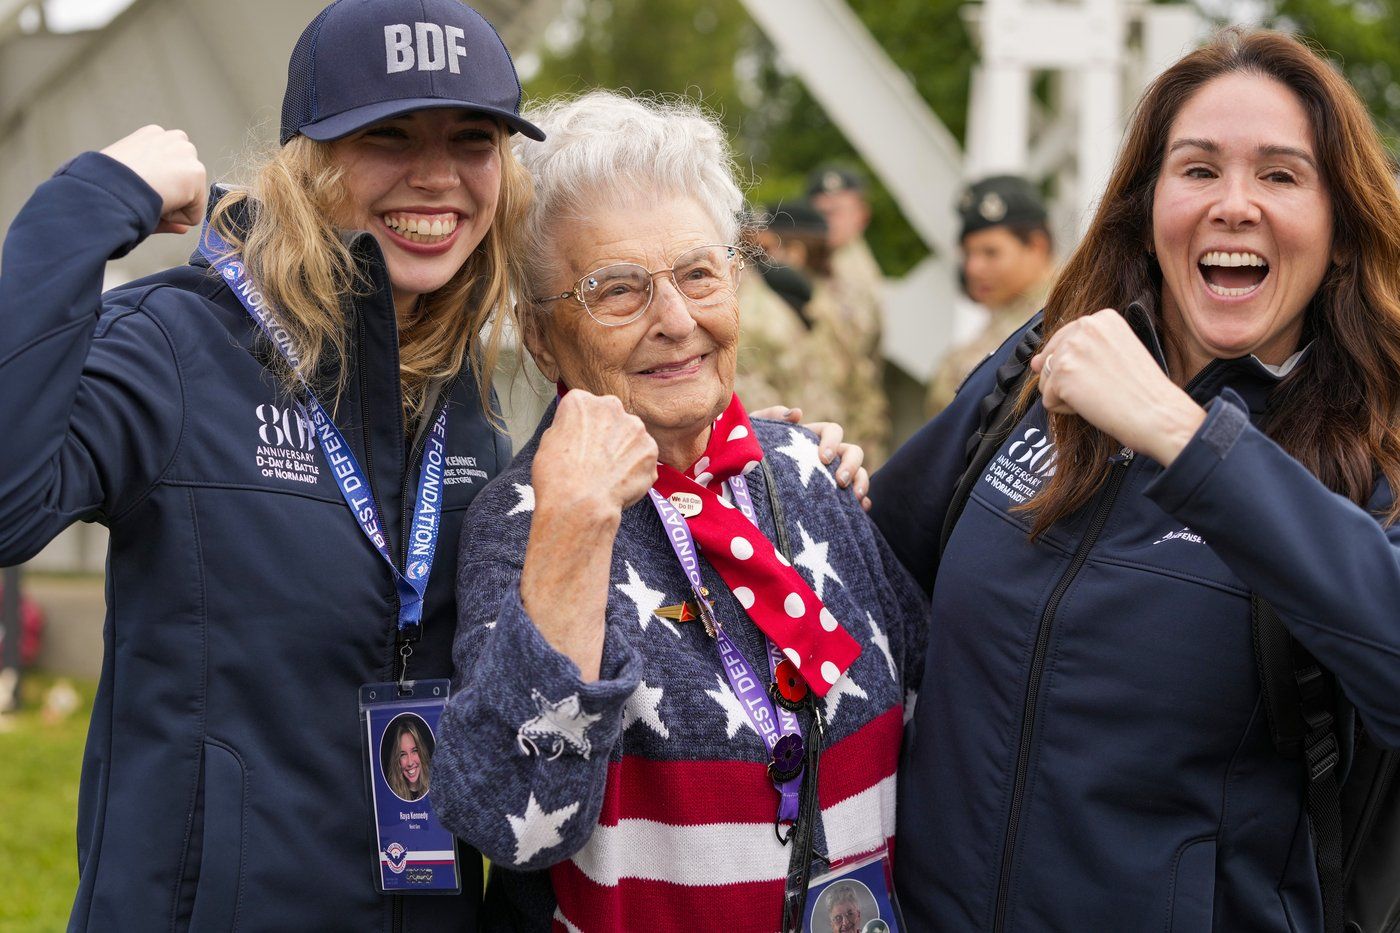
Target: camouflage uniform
962, 359
847, 309
779, 362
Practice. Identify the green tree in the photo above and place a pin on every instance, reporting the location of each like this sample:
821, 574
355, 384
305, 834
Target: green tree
711, 51
1363, 38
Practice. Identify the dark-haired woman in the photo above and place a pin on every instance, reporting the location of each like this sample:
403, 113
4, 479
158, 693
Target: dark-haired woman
1215, 415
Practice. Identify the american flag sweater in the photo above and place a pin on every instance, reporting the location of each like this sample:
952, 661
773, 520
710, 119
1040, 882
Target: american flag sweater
641, 801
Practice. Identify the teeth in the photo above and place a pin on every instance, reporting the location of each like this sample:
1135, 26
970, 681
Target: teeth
1232, 260
1230, 292
420, 228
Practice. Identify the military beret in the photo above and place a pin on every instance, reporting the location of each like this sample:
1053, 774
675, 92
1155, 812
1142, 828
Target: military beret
794, 217
833, 178
1001, 199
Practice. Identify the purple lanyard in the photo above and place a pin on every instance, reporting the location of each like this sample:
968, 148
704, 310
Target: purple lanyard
777, 727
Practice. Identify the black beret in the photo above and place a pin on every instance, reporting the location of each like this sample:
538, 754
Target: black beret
832, 178
794, 217
1001, 199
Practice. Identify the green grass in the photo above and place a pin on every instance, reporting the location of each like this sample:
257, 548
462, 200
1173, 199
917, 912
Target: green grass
39, 767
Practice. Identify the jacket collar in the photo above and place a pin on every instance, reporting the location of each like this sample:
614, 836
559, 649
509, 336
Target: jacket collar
1249, 376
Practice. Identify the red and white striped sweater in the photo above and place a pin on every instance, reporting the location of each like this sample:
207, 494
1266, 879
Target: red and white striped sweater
641, 801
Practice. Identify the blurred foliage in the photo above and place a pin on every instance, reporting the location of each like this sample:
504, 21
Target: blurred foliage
712, 52
1363, 38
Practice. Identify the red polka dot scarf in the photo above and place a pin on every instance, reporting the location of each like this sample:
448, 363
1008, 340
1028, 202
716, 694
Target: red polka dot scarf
775, 596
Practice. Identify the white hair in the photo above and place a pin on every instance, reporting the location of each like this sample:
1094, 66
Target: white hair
605, 149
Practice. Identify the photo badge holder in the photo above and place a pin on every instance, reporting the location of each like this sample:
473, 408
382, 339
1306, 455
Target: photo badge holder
855, 894
415, 855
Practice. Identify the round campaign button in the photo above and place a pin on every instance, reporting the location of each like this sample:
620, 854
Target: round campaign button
787, 758
687, 503
789, 689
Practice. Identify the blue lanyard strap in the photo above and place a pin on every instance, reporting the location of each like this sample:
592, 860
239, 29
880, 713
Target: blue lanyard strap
350, 479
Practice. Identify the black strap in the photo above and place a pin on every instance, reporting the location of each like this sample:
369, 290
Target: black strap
998, 418
1300, 698
801, 855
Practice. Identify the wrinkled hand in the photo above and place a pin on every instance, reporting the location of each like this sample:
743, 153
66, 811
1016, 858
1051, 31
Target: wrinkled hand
593, 462
167, 161
594, 455
830, 444
1097, 368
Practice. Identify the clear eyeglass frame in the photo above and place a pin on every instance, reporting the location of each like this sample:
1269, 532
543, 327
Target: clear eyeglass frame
613, 295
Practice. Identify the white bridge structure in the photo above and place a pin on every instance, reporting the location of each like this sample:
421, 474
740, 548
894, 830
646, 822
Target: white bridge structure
216, 67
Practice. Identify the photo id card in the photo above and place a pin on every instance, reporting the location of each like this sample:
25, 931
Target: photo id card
854, 897
415, 855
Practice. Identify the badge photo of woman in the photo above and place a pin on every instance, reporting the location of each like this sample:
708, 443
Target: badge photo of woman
406, 754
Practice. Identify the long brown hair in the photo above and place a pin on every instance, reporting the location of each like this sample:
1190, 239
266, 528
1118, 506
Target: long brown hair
1337, 414
294, 251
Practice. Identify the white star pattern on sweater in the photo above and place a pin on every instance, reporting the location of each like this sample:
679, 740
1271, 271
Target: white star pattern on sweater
537, 829
646, 599
882, 642
563, 725
812, 558
737, 718
644, 706
802, 450
841, 688
526, 492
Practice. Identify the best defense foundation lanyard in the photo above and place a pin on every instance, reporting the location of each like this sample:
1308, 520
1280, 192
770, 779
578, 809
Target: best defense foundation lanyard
777, 727
349, 478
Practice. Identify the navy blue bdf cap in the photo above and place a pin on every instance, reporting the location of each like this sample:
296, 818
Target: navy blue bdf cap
362, 61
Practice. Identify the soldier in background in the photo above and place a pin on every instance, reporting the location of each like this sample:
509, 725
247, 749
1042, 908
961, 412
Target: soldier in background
1007, 267
783, 353
855, 290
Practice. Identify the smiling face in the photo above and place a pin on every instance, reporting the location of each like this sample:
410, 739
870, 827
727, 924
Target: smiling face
845, 917
410, 765
672, 367
425, 185
1242, 223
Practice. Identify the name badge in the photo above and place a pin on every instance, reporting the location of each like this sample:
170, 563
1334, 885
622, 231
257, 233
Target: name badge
413, 853
854, 897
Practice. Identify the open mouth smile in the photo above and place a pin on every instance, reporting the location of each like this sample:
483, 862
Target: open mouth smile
1233, 274
436, 229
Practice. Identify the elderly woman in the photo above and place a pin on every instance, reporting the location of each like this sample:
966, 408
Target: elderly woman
637, 736
1212, 433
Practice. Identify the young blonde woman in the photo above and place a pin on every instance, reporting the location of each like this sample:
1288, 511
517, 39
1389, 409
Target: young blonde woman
224, 783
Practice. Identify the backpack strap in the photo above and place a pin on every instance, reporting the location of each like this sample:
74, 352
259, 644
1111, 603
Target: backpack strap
1300, 699
998, 418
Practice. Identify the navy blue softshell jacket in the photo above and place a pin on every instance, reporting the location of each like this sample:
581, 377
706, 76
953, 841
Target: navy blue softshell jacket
223, 785
1089, 750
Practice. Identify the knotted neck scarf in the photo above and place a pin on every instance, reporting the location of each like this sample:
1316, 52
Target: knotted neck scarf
773, 594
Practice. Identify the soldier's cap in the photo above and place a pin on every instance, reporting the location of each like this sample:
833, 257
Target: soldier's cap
793, 217
1000, 199
362, 61
832, 178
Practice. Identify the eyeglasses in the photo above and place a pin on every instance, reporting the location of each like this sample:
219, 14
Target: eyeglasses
619, 294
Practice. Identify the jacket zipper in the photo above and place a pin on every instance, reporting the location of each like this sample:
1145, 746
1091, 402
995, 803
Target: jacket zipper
1042, 645
395, 900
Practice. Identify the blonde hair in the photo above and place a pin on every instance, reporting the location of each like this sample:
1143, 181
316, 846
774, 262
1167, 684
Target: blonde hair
294, 251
